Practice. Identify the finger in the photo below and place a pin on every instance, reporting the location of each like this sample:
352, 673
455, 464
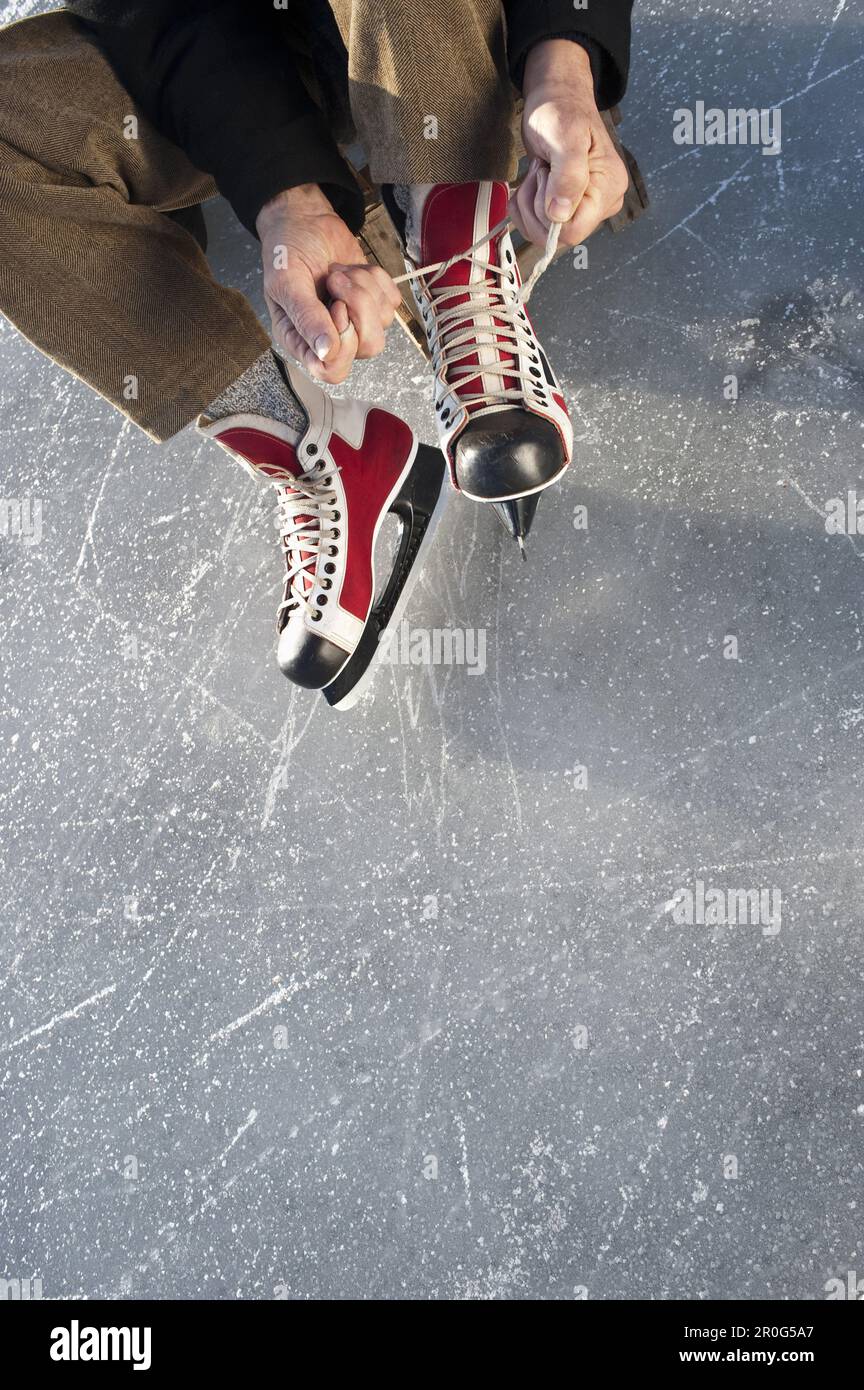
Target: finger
517, 201
364, 310
379, 279
538, 230
591, 212
309, 316
379, 286
339, 363
540, 197
514, 214
386, 298
284, 332
568, 179
339, 315
392, 293
529, 224
338, 367
348, 342
334, 372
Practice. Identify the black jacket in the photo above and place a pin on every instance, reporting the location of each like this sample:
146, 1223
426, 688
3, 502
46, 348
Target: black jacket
218, 79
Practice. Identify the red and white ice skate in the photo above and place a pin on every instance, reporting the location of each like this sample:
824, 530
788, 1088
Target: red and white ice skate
502, 419
335, 484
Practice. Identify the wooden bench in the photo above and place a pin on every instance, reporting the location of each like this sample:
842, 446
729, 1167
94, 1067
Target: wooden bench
381, 244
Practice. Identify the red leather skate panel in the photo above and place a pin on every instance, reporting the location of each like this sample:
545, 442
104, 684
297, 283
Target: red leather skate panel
368, 476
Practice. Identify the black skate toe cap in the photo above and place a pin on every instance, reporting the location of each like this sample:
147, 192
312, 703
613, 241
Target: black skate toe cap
507, 454
308, 659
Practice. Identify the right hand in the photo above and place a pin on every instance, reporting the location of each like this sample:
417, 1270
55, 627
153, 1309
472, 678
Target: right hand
576, 178
327, 305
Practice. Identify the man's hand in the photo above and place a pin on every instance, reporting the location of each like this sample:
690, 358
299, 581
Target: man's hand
327, 305
576, 176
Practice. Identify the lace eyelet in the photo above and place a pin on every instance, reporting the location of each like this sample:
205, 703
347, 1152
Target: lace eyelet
337, 516
316, 616
311, 448
335, 534
330, 568
333, 550
326, 583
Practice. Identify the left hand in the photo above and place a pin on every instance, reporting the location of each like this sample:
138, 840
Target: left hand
576, 176
327, 306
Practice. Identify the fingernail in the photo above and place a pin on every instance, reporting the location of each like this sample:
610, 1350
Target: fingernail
322, 347
560, 209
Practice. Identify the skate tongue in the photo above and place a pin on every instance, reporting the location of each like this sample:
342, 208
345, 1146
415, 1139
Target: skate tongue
310, 524
294, 553
455, 216
283, 472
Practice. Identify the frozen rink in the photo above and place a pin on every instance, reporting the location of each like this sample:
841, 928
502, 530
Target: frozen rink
397, 1003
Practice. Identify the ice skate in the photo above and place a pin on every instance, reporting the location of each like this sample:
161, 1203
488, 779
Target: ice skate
335, 484
502, 420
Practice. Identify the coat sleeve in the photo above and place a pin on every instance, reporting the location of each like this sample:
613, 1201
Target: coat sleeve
218, 79
604, 26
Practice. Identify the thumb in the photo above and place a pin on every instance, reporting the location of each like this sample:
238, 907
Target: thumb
568, 179
310, 317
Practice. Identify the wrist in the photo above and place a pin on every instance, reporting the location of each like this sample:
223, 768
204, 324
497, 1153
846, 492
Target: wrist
306, 199
557, 63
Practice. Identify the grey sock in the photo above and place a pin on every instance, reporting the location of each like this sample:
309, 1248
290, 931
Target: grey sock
263, 389
411, 197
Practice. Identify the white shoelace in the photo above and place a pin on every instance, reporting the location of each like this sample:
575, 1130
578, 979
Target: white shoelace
308, 519
502, 304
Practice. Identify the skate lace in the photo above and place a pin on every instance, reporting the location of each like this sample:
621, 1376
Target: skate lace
455, 337
307, 517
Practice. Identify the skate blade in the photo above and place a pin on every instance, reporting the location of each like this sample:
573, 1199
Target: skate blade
358, 673
517, 516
